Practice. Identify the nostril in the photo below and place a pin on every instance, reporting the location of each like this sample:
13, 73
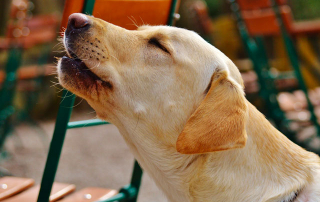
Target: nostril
78, 20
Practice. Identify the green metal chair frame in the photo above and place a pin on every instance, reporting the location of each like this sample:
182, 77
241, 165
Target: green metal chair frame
8, 88
257, 53
7, 92
128, 193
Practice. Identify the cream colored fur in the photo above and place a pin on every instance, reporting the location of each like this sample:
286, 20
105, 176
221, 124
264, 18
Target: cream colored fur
155, 93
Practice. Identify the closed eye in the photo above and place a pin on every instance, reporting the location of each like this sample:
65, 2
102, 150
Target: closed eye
155, 42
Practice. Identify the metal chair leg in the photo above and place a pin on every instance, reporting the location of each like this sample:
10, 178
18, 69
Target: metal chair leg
59, 133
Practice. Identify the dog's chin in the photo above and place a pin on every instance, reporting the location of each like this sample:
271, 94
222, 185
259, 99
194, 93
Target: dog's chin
75, 76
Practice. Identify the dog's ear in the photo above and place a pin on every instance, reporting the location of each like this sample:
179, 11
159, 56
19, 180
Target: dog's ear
219, 122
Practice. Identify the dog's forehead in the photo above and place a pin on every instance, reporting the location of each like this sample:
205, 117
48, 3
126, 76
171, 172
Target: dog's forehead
171, 32
190, 48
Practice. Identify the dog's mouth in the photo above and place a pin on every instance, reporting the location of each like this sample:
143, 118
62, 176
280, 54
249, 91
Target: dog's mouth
77, 68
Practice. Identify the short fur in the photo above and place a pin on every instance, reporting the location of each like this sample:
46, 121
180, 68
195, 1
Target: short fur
197, 144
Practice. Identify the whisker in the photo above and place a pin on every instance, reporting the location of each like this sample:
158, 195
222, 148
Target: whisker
142, 20
76, 104
115, 58
66, 96
95, 66
133, 21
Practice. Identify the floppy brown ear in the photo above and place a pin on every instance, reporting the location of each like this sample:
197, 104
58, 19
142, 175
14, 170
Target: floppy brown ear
219, 122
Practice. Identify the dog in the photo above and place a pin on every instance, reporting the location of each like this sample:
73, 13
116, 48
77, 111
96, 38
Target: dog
179, 104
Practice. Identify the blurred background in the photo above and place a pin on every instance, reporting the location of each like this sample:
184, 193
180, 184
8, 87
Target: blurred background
276, 47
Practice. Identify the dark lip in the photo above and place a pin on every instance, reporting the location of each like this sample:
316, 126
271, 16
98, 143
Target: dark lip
69, 51
73, 65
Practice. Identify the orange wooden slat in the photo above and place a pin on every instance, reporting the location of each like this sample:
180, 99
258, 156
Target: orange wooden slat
90, 194
12, 185
257, 4
31, 72
119, 12
39, 36
59, 190
305, 27
42, 21
264, 22
124, 13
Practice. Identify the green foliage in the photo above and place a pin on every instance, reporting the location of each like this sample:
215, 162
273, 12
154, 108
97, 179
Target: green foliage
305, 9
302, 9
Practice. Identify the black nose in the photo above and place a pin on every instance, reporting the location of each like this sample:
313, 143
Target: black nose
77, 23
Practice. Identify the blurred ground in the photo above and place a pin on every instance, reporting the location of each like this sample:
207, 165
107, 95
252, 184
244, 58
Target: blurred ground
93, 156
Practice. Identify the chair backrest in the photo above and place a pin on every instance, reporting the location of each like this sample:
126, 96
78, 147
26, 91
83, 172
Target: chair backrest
129, 13
264, 21
260, 18
257, 4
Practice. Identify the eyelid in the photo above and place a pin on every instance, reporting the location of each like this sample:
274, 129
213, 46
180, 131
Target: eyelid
155, 42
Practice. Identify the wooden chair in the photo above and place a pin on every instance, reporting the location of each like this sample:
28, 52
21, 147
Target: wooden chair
59, 190
150, 12
15, 189
257, 19
261, 19
10, 186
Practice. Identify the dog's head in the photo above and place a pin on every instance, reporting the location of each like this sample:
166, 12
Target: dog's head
164, 77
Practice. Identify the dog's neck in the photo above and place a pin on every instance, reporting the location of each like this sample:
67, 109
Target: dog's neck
154, 149
255, 162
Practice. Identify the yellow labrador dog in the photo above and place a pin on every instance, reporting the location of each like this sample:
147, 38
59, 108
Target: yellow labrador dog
180, 106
